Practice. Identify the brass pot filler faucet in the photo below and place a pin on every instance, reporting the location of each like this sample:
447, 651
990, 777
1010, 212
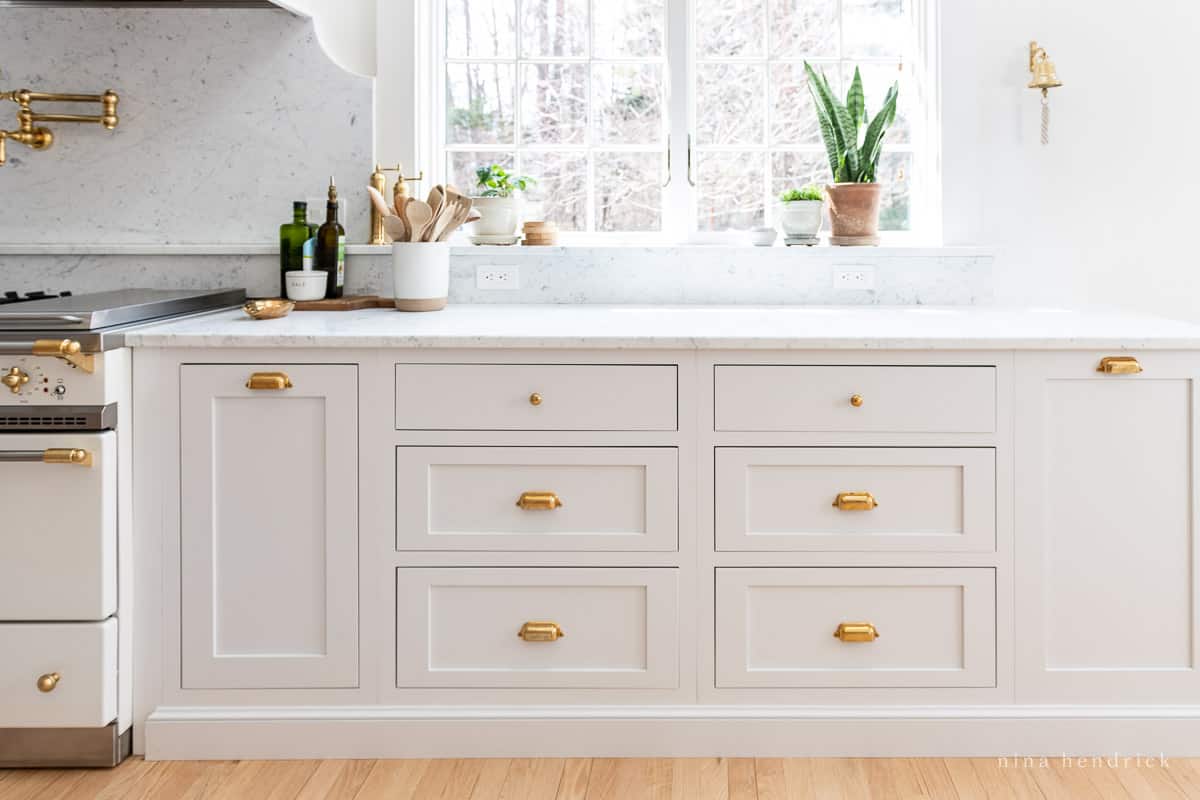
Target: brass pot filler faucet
38, 137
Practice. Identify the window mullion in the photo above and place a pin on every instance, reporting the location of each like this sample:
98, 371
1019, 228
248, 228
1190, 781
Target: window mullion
678, 200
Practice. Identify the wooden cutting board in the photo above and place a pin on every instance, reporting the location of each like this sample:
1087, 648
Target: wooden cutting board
347, 303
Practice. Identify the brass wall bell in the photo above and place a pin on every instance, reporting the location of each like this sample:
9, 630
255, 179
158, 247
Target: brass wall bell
1045, 78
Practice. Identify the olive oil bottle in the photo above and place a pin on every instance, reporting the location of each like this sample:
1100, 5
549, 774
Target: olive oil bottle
292, 237
331, 247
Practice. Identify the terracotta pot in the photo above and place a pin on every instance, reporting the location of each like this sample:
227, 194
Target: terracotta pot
854, 213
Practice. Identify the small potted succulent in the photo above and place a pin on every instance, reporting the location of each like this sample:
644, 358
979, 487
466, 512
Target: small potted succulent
496, 200
854, 151
801, 211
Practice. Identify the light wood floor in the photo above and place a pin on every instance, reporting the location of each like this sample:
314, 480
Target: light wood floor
610, 779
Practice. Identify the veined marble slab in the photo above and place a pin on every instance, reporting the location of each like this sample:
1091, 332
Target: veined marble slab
227, 116
683, 327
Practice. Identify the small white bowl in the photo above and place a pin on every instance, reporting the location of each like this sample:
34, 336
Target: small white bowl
305, 284
762, 237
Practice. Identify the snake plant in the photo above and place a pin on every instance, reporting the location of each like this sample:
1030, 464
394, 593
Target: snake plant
853, 154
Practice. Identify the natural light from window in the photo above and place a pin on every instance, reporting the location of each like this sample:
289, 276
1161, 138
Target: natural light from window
578, 95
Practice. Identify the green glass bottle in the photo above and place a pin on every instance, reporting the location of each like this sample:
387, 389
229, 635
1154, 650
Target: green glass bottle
291, 241
331, 247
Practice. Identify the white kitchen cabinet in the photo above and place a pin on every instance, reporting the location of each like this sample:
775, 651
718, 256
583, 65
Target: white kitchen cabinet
269, 517
1106, 486
856, 499
915, 627
537, 498
600, 628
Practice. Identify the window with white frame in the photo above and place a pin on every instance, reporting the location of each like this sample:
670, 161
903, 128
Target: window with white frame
588, 96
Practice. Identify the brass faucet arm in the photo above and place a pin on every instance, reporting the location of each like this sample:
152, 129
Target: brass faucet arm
39, 138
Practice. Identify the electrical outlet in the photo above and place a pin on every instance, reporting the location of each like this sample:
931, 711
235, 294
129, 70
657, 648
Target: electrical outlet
497, 277
860, 278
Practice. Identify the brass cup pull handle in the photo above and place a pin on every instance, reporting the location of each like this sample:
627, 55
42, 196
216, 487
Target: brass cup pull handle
855, 501
856, 400
47, 682
68, 350
856, 632
540, 632
269, 381
1119, 365
539, 501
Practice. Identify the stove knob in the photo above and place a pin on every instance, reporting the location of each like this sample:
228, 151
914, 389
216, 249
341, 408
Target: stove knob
14, 379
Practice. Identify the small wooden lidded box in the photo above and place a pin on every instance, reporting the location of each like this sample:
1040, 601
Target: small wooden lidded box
541, 233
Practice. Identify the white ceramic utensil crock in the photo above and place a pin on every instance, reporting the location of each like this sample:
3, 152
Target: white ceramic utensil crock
420, 275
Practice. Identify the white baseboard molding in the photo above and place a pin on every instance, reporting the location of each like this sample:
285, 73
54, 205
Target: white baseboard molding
677, 731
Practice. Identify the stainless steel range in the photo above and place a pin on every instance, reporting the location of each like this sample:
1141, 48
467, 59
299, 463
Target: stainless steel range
65, 485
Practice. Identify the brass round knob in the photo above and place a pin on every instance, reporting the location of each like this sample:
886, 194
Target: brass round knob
14, 379
535, 399
856, 400
47, 682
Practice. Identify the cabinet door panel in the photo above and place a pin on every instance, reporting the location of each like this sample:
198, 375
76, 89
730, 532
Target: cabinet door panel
270, 528
1105, 530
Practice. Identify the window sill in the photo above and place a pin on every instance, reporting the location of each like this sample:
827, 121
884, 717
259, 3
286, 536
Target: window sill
821, 251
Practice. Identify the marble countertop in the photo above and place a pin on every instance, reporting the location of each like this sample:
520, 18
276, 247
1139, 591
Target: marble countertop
684, 327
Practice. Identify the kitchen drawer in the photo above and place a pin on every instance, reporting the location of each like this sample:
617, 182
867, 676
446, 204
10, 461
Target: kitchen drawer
856, 399
537, 498
82, 654
460, 627
547, 397
58, 546
934, 499
776, 627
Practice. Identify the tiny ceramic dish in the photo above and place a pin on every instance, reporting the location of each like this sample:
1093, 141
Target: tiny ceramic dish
308, 284
268, 309
762, 237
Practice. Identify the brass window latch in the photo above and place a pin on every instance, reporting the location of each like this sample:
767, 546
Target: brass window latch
39, 137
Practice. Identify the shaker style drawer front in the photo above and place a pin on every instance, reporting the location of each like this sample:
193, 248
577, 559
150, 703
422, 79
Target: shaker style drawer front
58, 539
856, 499
533, 397
537, 498
854, 399
58, 675
873, 627
534, 628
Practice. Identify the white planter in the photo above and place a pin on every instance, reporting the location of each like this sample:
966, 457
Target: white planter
498, 216
801, 217
420, 275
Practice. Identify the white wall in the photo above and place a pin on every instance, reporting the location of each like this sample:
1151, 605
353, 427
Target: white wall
1104, 214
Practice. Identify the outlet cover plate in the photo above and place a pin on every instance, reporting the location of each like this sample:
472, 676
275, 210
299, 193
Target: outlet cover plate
496, 277
854, 278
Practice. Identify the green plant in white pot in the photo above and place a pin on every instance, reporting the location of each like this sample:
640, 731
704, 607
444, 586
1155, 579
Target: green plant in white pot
497, 200
800, 212
854, 146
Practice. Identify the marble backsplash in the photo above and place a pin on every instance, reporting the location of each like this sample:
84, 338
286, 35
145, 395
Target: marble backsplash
227, 116
617, 275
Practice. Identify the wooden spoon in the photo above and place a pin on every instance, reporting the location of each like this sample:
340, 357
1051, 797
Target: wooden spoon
419, 215
394, 227
380, 204
437, 199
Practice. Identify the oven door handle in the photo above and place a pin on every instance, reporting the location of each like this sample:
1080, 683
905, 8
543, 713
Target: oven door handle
53, 455
68, 350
